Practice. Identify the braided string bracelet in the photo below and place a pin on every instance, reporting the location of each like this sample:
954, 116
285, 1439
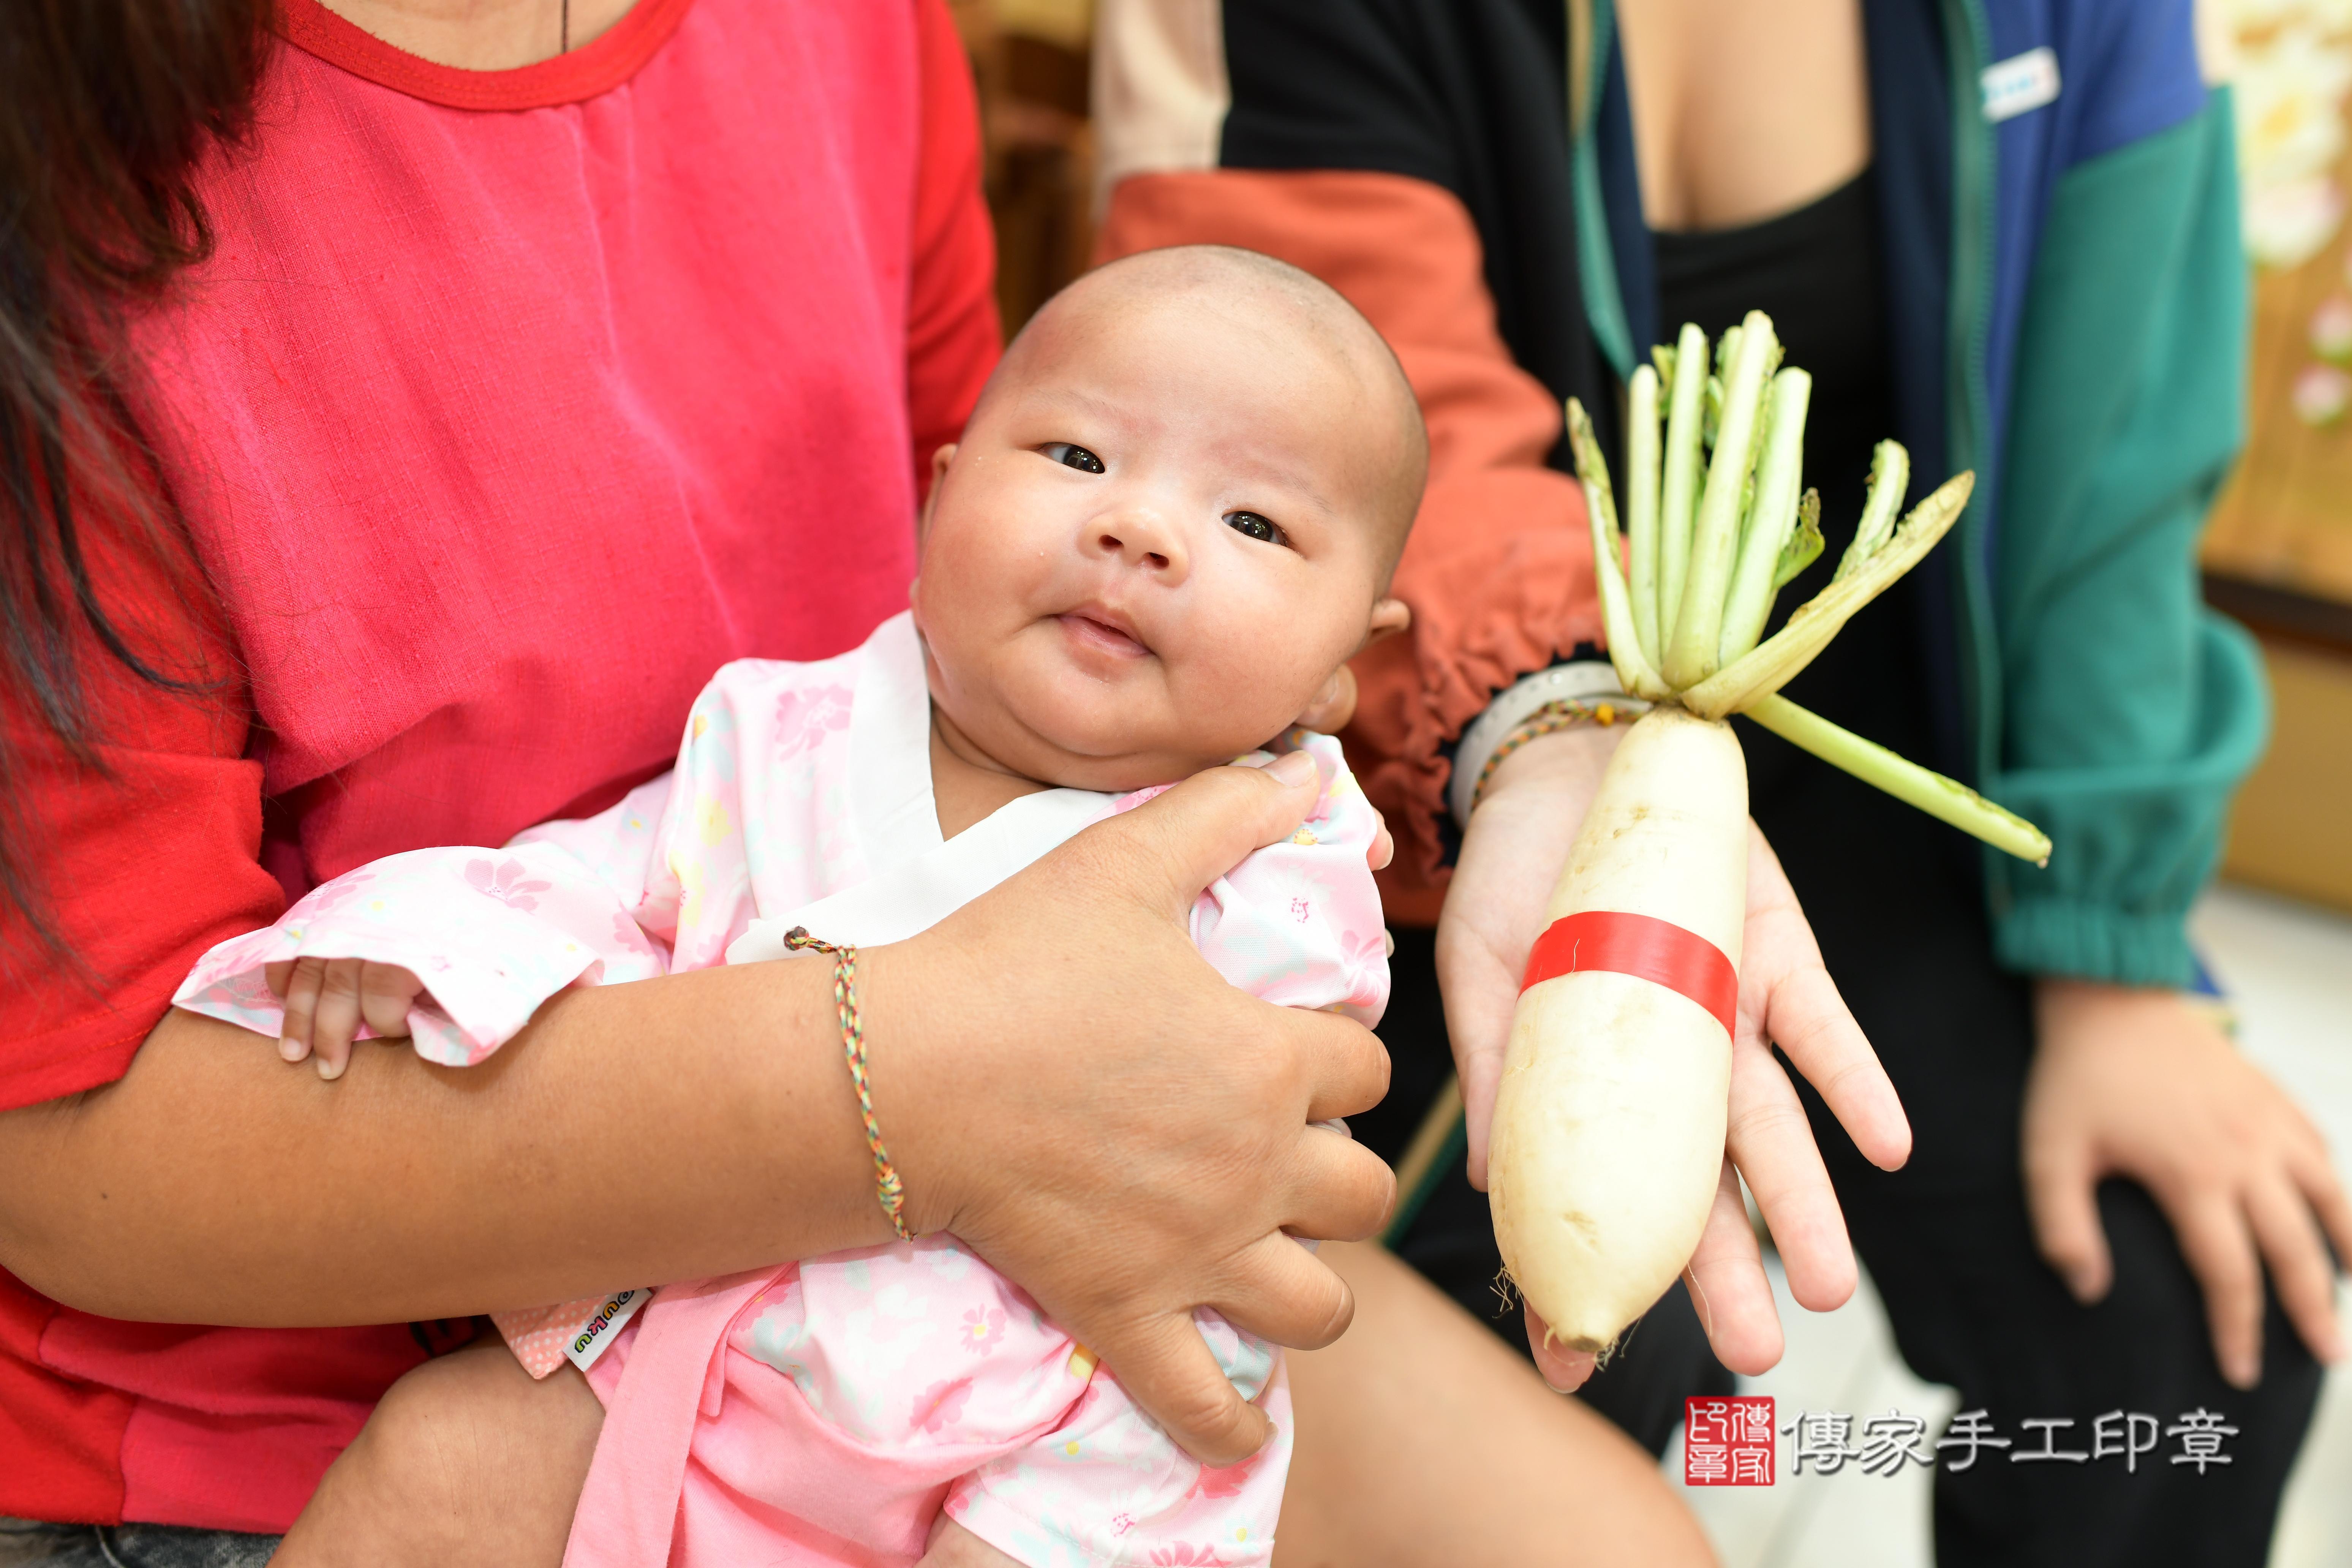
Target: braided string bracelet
886, 1185
1565, 714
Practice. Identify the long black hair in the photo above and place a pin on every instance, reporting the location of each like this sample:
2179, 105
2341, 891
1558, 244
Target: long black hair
106, 108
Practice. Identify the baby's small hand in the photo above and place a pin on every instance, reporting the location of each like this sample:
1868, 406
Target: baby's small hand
327, 998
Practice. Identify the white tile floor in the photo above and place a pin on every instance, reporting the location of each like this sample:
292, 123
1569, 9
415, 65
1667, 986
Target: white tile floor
2289, 969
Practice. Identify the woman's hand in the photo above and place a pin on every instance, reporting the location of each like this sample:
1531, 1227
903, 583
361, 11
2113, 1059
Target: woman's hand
1061, 1076
1067, 1085
2138, 1083
1518, 840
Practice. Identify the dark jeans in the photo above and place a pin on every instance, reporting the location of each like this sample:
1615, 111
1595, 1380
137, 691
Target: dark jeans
129, 1546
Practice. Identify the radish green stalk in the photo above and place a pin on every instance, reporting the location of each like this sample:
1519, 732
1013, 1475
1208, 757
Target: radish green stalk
1804, 546
1773, 518
1608, 1129
1678, 494
1642, 503
1778, 659
1946, 800
1890, 476
1715, 536
1625, 653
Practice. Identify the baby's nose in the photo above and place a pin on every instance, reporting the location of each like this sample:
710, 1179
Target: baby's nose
1141, 539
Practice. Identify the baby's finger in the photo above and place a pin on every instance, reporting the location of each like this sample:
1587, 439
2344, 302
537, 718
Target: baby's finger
301, 995
386, 993
338, 1017
1167, 1369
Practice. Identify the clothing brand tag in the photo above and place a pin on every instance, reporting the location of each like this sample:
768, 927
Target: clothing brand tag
2020, 83
604, 1326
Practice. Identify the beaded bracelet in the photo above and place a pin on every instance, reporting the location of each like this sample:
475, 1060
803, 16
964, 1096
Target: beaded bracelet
886, 1185
1566, 713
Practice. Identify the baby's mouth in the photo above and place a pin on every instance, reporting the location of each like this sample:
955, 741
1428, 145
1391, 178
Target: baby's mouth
1089, 629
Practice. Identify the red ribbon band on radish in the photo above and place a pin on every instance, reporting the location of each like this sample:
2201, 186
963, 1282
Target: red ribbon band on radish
1645, 947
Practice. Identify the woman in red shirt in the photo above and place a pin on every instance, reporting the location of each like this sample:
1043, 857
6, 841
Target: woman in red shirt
398, 423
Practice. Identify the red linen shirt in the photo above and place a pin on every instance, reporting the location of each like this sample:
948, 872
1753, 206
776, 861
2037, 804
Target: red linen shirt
509, 407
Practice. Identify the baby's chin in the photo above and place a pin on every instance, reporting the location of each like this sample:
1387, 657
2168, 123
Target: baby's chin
1106, 760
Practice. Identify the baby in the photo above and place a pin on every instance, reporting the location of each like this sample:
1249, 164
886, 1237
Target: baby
1170, 522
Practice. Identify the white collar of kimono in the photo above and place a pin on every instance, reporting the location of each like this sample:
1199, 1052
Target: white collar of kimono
918, 879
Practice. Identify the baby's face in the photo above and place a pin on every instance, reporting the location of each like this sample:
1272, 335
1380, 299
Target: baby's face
1163, 532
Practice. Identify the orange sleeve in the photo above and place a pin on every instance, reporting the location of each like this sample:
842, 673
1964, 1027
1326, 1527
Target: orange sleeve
1498, 572
953, 338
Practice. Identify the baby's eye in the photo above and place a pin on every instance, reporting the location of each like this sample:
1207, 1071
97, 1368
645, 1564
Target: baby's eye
1257, 527
1073, 456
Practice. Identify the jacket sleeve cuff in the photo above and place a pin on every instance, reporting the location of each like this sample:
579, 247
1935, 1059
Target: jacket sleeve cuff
2058, 935
1490, 604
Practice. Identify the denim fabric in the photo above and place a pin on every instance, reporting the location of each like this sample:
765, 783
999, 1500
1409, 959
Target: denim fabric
25, 1544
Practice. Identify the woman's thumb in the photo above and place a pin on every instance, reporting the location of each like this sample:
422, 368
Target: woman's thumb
1202, 828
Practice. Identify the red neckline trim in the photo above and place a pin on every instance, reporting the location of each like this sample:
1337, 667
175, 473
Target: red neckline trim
592, 69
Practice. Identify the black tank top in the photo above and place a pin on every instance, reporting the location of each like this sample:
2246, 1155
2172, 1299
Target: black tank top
1815, 273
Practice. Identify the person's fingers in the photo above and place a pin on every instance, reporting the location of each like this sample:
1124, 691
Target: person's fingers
301, 995
277, 974
1480, 993
1285, 1295
2289, 1238
1727, 1288
337, 1016
1771, 1142
2220, 1252
2325, 1192
1345, 1190
386, 993
1563, 1369
2062, 1201
1171, 847
1383, 849
1803, 1014
1347, 1067
1166, 1368
1808, 1021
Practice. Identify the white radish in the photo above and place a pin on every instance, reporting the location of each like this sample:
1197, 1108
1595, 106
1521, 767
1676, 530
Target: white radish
1606, 1147
1608, 1131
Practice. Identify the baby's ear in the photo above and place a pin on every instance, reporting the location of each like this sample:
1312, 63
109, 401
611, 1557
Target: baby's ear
1333, 706
939, 462
1390, 616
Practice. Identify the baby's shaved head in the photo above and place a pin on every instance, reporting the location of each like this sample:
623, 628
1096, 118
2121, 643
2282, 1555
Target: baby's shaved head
1265, 307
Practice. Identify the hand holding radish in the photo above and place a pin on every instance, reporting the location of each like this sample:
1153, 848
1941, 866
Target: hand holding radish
1494, 911
1640, 1021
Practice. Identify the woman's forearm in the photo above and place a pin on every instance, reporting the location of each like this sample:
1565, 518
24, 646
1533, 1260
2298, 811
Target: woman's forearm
633, 1134
1066, 1085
